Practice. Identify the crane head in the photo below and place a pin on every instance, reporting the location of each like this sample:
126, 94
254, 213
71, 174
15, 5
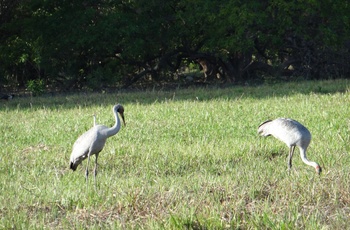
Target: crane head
318, 169
120, 110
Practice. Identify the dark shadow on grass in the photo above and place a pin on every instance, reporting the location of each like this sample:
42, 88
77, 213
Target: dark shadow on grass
273, 155
82, 99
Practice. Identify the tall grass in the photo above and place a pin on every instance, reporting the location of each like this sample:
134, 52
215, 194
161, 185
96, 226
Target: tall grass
187, 159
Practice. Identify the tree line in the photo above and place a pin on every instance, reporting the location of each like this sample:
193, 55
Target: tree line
84, 43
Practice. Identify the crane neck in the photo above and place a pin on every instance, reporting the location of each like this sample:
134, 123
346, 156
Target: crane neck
116, 127
305, 160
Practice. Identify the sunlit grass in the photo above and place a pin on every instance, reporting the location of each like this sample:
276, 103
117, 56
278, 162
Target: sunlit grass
186, 159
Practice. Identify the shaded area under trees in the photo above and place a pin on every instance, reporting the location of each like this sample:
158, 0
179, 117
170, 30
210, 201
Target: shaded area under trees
95, 44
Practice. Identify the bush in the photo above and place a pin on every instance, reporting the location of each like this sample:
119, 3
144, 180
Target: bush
36, 87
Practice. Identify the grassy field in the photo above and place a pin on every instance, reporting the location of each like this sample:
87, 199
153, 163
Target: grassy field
186, 159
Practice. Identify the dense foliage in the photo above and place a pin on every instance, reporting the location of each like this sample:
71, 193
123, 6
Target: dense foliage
84, 43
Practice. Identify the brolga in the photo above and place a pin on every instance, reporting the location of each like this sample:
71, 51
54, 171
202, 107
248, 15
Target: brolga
292, 133
92, 142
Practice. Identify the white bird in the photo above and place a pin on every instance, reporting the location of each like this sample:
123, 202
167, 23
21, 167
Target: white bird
292, 133
93, 141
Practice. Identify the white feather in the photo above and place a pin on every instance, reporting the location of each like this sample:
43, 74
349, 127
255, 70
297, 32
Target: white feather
292, 133
92, 141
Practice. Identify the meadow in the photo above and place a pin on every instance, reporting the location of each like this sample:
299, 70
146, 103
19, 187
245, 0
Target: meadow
186, 159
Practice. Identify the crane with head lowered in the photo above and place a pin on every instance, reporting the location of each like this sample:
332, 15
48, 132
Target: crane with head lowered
292, 133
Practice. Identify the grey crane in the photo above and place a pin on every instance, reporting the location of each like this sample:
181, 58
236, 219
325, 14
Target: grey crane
292, 133
93, 141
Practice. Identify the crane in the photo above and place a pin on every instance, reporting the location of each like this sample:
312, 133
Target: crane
292, 133
93, 141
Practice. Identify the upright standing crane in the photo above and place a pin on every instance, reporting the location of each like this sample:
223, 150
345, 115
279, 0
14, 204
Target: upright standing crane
93, 141
292, 133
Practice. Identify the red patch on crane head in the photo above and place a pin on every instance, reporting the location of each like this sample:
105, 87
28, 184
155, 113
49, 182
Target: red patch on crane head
318, 169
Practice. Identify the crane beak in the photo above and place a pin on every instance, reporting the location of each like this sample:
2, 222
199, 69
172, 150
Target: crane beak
122, 115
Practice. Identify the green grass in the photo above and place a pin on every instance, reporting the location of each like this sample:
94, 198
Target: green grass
187, 159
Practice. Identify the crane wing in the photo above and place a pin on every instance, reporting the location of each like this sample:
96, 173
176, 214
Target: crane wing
88, 141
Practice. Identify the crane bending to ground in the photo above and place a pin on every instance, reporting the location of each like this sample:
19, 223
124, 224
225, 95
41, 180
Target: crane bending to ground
292, 133
93, 141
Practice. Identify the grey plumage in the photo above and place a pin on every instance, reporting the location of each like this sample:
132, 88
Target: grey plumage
93, 141
292, 133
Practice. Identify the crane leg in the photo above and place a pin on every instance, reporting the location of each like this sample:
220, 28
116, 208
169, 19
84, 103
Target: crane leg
87, 170
291, 151
95, 169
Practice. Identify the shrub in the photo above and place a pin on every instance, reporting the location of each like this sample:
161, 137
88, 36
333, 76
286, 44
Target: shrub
36, 87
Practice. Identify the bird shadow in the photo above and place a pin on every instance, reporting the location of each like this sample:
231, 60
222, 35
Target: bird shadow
68, 100
273, 154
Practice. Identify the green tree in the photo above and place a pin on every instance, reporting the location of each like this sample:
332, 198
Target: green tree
83, 43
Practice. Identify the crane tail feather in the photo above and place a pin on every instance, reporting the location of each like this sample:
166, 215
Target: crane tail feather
264, 123
262, 129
